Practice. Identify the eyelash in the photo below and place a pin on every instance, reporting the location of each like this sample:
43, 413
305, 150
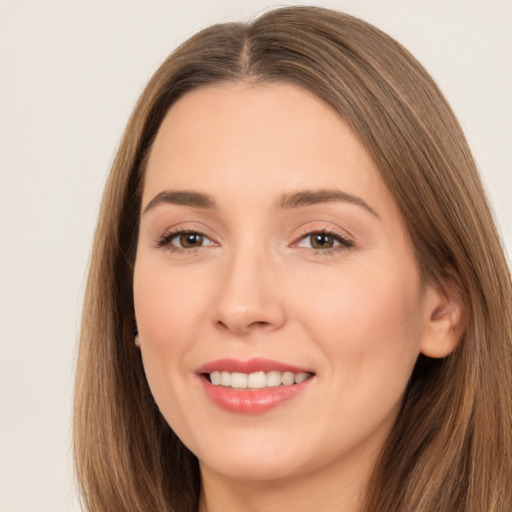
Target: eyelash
343, 243
166, 240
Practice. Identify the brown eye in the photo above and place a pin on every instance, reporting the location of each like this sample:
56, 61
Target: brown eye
321, 241
184, 240
324, 242
189, 240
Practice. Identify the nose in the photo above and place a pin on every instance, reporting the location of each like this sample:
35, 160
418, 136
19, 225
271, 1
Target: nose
249, 297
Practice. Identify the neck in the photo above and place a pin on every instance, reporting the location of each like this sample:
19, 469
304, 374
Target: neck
341, 490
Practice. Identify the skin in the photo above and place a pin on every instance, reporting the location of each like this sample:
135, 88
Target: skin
356, 316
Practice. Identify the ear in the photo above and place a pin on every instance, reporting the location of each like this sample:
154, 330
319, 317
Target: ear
444, 320
136, 338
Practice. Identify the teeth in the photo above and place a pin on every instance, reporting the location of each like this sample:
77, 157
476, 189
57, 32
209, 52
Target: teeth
273, 379
257, 380
288, 378
225, 379
239, 380
301, 377
215, 378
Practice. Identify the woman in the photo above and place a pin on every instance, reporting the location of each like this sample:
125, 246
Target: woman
297, 296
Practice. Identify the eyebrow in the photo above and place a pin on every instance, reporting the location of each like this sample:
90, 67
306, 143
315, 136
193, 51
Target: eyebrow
182, 198
292, 200
312, 197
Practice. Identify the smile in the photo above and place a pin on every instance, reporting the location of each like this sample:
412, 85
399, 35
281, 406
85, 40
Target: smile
254, 386
256, 380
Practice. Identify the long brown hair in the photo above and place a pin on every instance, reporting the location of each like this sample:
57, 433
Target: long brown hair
451, 447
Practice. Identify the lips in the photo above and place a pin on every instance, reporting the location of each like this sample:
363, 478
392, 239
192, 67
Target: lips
253, 386
249, 366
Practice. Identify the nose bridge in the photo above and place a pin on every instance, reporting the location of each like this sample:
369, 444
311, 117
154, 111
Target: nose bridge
248, 297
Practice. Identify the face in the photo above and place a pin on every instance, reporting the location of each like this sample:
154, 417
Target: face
278, 302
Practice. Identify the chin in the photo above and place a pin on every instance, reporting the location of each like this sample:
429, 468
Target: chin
253, 460
254, 470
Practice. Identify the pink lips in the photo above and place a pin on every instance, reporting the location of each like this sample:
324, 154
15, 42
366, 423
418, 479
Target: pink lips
249, 366
250, 401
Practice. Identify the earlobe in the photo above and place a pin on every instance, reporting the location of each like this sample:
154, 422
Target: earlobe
444, 325
136, 339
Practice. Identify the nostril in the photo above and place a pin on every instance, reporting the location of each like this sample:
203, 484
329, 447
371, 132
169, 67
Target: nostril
242, 328
260, 324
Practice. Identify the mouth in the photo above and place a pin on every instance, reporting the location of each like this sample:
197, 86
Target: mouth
252, 386
256, 380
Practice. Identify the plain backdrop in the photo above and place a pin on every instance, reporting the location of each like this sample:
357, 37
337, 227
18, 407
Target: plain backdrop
70, 73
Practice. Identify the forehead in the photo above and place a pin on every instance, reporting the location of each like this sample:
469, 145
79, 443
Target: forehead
261, 137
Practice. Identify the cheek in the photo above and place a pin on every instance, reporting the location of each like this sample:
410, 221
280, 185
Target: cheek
167, 308
166, 304
368, 322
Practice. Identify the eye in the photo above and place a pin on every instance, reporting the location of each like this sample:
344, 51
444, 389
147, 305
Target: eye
188, 240
184, 240
324, 241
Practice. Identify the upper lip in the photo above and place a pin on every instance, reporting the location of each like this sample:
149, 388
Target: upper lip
249, 366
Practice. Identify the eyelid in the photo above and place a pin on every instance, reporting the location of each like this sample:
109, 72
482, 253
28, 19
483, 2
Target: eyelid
344, 242
166, 238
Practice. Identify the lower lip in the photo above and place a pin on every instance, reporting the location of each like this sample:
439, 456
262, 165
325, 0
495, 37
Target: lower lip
251, 401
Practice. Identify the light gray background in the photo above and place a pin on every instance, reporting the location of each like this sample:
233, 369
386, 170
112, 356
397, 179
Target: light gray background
70, 72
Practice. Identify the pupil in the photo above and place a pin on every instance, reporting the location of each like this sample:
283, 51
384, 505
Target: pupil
191, 239
322, 240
